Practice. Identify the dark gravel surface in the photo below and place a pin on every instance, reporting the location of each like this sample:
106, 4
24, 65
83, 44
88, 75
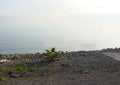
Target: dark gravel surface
75, 68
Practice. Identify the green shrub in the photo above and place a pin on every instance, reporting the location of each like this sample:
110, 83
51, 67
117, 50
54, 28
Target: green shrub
3, 78
32, 68
20, 68
25, 68
51, 54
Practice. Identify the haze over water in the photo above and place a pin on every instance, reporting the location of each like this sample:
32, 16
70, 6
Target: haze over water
27, 27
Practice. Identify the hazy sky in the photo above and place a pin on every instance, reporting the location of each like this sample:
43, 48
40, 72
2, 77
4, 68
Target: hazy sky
77, 24
58, 7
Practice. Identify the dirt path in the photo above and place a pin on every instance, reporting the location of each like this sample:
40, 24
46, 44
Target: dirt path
114, 55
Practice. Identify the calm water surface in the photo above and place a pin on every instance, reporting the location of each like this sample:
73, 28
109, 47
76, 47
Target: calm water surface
71, 33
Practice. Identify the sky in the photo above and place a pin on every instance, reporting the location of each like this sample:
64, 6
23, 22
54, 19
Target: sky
61, 7
70, 24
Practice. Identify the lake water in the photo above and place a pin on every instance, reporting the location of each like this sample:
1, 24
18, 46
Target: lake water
67, 33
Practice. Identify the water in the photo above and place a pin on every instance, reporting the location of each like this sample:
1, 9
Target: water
68, 33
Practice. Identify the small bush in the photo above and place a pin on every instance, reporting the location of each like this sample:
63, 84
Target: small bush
52, 54
65, 63
20, 68
3, 78
32, 68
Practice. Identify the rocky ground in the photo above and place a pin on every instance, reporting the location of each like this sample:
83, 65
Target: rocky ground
74, 68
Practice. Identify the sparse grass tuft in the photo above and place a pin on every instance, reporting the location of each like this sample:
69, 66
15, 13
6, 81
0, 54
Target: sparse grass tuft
32, 68
3, 78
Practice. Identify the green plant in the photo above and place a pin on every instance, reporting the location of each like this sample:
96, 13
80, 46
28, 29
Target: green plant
3, 78
51, 54
65, 63
32, 68
25, 68
21, 68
